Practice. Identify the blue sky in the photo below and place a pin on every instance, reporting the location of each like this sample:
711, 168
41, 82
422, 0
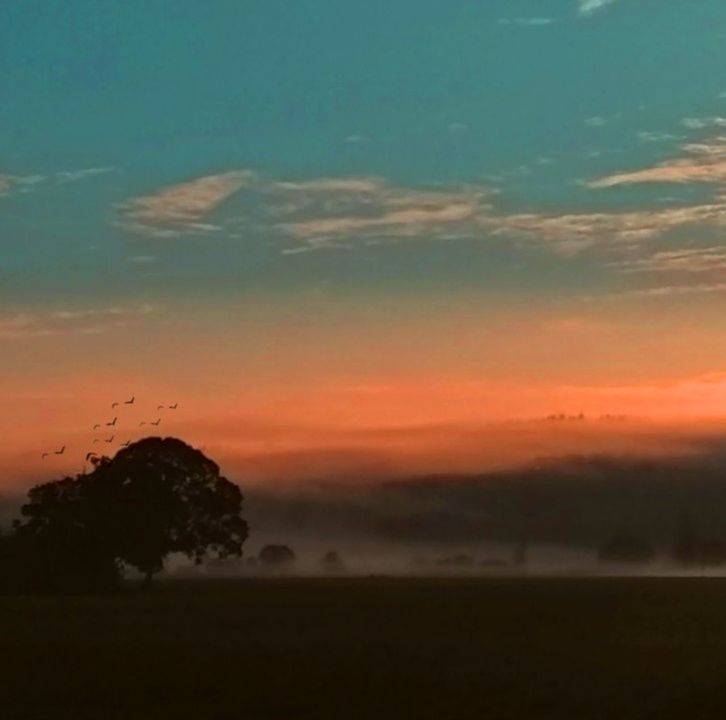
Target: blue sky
531, 99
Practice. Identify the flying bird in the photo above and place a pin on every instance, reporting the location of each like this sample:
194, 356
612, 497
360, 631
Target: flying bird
90, 455
113, 405
157, 422
61, 451
113, 422
130, 402
110, 440
174, 406
95, 440
127, 443
96, 426
45, 455
159, 407
142, 423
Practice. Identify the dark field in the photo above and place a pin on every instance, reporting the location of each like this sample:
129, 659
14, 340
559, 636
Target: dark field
371, 648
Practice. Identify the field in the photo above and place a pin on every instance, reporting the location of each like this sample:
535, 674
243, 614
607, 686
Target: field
371, 648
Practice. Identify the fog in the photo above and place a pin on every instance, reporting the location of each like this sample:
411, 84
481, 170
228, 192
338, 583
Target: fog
558, 512
550, 515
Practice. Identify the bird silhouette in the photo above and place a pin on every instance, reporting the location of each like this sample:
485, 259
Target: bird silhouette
142, 423
113, 405
95, 440
44, 455
159, 407
157, 422
96, 426
127, 443
110, 440
130, 402
112, 423
61, 451
174, 406
90, 455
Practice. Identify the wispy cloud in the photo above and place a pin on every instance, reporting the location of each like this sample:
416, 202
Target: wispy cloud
71, 321
75, 175
182, 208
701, 123
320, 214
527, 21
587, 229
143, 259
596, 121
667, 291
687, 260
649, 136
701, 163
29, 183
590, 7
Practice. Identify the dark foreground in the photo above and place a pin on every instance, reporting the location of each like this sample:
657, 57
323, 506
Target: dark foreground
595, 648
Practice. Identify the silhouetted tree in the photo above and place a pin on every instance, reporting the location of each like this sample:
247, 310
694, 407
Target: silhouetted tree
711, 553
456, 561
332, 562
626, 549
276, 556
154, 498
685, 544
521, 549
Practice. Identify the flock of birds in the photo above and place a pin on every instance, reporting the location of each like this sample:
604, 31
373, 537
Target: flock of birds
113, 424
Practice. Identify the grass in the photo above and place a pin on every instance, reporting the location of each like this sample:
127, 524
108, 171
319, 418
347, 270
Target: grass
371, 648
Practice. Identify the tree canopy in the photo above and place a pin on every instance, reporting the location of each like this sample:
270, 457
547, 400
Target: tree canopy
157, 497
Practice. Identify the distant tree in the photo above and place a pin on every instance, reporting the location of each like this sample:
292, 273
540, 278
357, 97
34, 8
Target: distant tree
626, 549
493, 563
521, 549
456, 561
332, 562
154, 498
711, 553
276, 556
685, 550
692, 550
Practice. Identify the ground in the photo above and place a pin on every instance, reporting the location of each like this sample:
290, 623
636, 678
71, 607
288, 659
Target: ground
371, 648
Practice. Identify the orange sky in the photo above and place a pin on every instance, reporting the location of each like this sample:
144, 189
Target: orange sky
364, 390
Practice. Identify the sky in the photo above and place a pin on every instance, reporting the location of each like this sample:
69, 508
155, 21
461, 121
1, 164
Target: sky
344, 236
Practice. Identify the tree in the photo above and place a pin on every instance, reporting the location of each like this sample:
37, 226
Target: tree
626, 549
276, 556
154, 498
685, 550
332, 563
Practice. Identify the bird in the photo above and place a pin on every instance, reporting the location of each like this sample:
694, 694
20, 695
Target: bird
130, 402
113, 405
113, 422
90, 455
142, 423
61, 451
45, 455
127, 443
95, 440
110, 440
174, 406
157, 422
96, 426
159, 407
